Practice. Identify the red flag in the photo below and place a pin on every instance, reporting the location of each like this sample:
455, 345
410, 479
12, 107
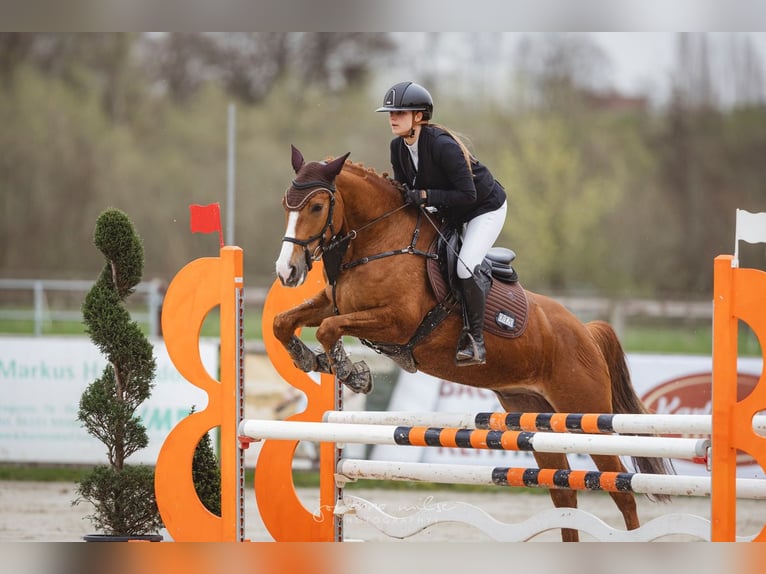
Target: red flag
206, 219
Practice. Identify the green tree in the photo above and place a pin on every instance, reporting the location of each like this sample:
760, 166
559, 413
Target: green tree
123, 495
557, 202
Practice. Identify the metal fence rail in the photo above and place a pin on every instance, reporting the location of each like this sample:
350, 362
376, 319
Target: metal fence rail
152, 292
618, 312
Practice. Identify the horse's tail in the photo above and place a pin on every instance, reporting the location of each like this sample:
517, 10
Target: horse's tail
624, 397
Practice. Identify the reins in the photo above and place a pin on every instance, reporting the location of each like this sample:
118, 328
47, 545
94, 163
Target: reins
447, 244
333, 250
332, 254
409, 250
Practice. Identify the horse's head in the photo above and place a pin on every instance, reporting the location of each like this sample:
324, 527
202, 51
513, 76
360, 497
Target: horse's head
310, 206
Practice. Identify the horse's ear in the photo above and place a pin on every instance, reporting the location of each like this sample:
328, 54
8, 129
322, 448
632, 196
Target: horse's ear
333, 168
297, 158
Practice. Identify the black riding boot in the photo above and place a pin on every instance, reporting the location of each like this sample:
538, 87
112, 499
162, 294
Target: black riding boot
470, 347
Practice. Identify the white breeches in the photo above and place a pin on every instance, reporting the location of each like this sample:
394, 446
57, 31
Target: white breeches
479, 235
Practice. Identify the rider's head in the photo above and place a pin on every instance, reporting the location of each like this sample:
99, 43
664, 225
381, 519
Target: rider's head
408, 96
409, 104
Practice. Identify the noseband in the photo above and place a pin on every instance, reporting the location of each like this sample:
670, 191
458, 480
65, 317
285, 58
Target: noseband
302, 197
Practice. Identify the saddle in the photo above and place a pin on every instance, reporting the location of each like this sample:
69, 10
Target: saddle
507, 307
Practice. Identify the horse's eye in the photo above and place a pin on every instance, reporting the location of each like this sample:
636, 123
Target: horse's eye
316, 208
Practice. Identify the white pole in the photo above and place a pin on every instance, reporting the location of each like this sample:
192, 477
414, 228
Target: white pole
230, 176
617, 445
352, 469
622, 423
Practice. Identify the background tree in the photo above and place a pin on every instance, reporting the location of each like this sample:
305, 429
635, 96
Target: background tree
138, 122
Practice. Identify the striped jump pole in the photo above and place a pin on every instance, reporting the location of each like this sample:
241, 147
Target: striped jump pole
650, 424
663, 447
353, 469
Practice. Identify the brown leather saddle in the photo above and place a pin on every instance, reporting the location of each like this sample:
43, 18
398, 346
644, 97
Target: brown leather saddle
507, 308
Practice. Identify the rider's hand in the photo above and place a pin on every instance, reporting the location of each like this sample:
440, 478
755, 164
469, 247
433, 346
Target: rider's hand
417, 196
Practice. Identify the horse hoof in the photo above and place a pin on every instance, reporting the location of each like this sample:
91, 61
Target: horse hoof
340, 362
303, 358
343, 370
323, 364
360, 378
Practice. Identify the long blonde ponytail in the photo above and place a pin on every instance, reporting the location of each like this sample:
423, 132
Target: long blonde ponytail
459, 138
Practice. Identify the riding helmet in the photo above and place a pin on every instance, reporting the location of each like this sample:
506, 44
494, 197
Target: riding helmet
408, 96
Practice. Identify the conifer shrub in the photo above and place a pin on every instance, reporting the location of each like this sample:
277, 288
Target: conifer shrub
122, 495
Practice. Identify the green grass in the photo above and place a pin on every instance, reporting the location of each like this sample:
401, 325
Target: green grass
210, 327
639, 337
667, 340
42, 473
682, 340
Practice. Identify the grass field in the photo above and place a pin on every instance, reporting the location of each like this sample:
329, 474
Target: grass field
639, 336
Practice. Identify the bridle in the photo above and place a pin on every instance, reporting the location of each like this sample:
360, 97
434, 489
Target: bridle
333, 250
318, 187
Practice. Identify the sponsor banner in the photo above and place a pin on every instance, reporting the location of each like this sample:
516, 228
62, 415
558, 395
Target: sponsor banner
668, 384
41, 381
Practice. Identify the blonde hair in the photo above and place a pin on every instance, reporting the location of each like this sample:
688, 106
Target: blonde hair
459, 139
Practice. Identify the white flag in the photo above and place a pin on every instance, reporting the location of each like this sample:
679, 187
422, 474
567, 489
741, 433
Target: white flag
751, 227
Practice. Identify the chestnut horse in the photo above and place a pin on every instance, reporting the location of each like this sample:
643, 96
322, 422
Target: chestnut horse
374, 247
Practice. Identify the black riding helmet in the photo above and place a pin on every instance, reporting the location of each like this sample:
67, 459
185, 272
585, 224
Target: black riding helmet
406, 96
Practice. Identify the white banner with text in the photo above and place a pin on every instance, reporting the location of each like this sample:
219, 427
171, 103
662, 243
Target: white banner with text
42, 379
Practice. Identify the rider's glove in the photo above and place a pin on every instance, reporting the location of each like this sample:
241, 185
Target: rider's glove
417, 196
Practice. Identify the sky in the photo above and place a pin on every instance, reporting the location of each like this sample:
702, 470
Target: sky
647, 59
643, 63
640, 59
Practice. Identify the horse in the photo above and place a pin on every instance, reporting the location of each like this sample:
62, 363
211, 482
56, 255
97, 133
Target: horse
375, 248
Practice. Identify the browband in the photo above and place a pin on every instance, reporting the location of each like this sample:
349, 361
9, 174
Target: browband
296, 197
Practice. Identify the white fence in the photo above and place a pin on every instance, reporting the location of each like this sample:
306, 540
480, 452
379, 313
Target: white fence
617, 311
41, 312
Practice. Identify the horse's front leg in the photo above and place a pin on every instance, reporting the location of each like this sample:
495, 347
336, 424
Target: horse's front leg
309, 314
373, 324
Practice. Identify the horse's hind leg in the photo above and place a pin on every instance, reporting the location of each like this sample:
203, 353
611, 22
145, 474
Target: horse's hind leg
561, 498
531, 403
625, 501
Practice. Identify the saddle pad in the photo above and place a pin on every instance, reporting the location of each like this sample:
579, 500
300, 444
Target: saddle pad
507, 306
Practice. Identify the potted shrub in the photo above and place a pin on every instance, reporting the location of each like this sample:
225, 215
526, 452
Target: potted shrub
122, 495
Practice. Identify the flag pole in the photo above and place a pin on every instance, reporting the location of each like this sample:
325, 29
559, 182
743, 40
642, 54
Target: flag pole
230, 177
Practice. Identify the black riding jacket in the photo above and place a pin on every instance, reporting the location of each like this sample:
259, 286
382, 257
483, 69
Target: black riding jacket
452, 190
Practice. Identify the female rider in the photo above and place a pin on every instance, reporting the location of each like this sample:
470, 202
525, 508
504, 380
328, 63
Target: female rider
439, 172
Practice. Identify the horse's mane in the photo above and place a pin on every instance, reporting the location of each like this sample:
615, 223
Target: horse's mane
383, 179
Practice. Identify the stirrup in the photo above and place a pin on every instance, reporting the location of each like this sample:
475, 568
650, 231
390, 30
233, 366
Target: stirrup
466, 344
